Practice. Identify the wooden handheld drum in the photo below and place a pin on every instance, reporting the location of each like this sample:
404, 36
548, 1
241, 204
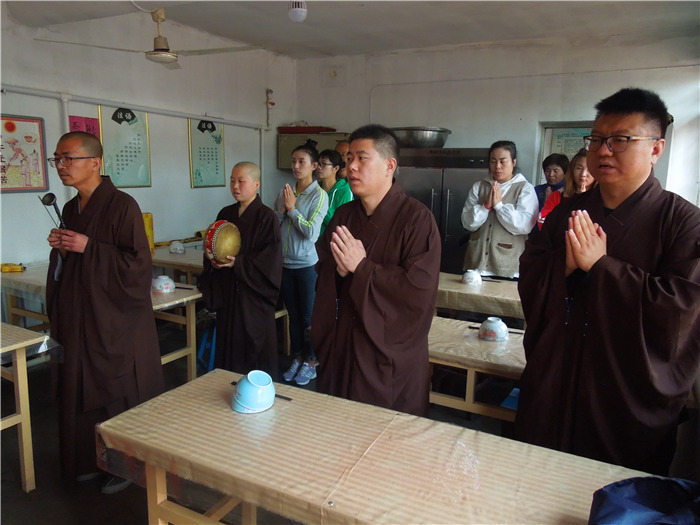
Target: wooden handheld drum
222, 238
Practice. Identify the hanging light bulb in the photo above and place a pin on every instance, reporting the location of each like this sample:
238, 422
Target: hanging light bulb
297, 11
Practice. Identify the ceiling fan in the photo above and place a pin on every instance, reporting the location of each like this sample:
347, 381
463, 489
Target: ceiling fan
161, 53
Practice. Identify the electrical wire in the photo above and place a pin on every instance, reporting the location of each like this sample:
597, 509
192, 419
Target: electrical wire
141, 8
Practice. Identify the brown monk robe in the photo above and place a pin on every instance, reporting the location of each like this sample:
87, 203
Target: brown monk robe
610, 289
612, 354
370, 329
99, 304
244, 296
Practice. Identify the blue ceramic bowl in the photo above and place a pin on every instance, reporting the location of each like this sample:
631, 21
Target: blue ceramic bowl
254, 393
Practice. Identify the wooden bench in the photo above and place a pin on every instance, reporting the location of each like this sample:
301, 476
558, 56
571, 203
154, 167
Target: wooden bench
456, 344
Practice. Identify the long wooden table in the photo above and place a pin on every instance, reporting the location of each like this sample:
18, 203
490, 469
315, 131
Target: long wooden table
358, 463
191, 263
456, 344
15, 340
495, 297
32, 283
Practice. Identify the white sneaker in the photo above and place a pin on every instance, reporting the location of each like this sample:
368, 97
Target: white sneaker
289, 374
306, 374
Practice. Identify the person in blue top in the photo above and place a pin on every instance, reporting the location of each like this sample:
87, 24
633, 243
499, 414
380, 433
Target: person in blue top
339, 192
301, 210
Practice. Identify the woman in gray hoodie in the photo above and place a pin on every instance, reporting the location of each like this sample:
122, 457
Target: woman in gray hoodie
301, 209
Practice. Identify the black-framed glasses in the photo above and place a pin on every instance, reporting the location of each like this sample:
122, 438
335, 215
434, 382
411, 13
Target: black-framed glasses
324, 164
615, 143
66, 161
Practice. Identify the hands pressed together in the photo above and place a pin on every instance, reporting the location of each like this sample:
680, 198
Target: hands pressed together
67, 241
586, 242
494, 197
347, 251
290, 200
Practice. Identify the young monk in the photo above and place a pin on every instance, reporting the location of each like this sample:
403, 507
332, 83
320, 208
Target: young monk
244, 291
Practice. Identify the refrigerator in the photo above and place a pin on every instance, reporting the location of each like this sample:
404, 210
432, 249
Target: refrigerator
441, 179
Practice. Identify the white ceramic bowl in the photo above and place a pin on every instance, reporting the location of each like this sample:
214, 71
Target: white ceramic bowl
254, 393
471, 277
163, 284
177, 247
493, 329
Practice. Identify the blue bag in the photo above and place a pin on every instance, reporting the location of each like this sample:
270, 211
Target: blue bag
647, 500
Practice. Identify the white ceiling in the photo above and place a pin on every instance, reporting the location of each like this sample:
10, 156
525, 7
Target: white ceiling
338, 28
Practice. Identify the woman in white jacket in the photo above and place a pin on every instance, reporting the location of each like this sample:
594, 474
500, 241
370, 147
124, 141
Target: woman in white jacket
500, 211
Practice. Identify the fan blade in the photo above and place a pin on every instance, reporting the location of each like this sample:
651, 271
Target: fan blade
171, 65
87, 45
213, 51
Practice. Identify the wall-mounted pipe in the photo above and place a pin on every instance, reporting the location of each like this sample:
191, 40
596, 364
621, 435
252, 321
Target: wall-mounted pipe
98, 102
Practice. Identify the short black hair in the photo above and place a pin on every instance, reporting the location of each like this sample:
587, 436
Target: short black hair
505, 144
333, 156
636, 100
90, 143
385, 142
557, 159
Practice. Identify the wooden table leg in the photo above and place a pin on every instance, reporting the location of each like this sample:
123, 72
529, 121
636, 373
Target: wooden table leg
24, 427
156, 493
191, 327
249, 514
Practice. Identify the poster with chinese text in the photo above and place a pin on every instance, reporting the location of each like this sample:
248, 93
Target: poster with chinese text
206, 153
124, 135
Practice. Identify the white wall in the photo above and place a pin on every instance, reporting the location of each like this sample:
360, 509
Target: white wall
488, 93
228, 86
482, 93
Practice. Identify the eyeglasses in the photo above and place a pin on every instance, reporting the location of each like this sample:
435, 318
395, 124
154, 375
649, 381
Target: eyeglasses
615, 143
325, 164
66, 161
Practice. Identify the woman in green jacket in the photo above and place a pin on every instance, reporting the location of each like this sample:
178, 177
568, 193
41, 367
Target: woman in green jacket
330, 163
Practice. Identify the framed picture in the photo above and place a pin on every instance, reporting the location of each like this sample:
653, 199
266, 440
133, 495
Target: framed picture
127, 158
206, 154
23, 154
564, 137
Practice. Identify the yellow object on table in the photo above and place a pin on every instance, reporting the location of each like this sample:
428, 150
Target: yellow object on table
148, 223
11, 267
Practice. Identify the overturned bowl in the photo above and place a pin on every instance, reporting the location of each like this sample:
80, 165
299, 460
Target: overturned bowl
472, 277
163, 284
177, 247
255, 392
493, 329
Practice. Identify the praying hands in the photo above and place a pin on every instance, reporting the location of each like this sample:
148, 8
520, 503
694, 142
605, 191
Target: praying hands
347, 251
586, 242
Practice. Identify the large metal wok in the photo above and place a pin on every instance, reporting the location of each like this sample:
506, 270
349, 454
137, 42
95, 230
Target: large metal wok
420, 137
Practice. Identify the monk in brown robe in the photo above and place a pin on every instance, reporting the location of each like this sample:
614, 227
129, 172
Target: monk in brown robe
611, 294
98, 296
379, 265
244, 291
